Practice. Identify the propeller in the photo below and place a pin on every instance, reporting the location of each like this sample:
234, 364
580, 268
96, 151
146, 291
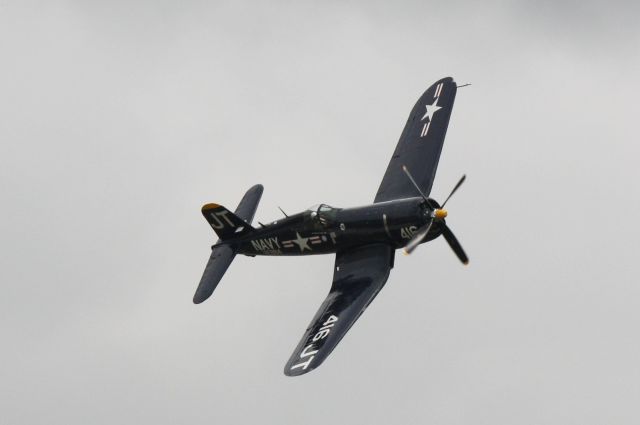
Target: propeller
406, 171
436, 214
417, 238
454, 244
457, 186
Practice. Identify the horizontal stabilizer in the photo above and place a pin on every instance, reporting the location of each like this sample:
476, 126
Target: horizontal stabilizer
227, 225
249, 203
221, 258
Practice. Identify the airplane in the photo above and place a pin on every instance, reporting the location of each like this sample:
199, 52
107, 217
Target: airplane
364, 239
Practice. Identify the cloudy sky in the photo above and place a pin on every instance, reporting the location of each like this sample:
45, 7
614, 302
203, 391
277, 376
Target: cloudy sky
121, 118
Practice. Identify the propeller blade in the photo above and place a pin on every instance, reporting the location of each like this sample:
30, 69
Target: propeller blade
417, 238
464, 176
406, 171
454, 244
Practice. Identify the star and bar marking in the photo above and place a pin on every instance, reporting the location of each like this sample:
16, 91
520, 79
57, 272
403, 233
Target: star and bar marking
430, 110
302, 242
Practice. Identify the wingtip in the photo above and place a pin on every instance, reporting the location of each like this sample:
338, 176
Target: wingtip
445, 80
288, 371
199, 298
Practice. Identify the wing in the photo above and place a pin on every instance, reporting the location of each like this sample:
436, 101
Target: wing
420, 144
358, 276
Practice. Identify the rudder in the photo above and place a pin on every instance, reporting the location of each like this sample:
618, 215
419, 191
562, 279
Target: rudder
227, 224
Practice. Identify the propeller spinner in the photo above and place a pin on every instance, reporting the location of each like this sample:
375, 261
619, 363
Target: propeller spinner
436, 214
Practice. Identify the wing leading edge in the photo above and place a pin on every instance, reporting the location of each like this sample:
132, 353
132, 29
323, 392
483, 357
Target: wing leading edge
359, 275
420, 144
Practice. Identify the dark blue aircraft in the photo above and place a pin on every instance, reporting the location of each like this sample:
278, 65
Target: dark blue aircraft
364, 239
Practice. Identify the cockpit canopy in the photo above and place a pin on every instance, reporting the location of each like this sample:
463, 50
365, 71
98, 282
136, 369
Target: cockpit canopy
320, 208
323, 213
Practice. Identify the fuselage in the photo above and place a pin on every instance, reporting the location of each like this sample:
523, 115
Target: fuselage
323, 229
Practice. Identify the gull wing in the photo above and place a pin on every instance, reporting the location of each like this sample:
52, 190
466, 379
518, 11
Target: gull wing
420, 144
359, 275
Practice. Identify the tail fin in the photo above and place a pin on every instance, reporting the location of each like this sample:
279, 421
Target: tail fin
227, 224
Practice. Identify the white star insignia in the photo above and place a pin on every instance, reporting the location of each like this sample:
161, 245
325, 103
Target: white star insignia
431, 109
303, 243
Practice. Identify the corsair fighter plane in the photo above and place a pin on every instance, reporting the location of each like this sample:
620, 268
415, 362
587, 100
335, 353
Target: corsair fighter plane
364, 239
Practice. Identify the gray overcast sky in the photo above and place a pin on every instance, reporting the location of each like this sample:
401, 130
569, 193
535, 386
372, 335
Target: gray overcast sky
120, 119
